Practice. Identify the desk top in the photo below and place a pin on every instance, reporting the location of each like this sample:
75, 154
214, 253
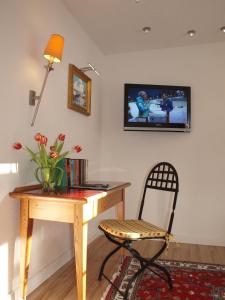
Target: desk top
71, 195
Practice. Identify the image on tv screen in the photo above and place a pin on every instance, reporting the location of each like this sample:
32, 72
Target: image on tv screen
157, 105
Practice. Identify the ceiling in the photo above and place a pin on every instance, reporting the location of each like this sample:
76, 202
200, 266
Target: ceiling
116, 25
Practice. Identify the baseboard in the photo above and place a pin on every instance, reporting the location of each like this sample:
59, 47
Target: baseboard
203, 240
43, 275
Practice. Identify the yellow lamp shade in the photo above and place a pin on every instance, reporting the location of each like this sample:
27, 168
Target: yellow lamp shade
54, 49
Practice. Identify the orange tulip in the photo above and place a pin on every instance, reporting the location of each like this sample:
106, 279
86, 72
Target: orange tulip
17, 146
61, 137
43, 140
77, 149
37, 137
53, 154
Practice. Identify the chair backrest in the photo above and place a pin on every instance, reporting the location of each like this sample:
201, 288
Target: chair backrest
164, 177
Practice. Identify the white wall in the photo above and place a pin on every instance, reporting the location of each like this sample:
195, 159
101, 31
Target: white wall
198, 156
25, 29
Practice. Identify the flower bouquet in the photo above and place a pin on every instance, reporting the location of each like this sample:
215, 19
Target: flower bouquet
48, 173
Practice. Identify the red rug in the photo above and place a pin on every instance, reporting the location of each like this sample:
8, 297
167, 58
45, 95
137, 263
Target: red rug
191, 281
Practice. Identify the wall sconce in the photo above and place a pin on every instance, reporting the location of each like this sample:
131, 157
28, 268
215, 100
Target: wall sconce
90, 68
53, 53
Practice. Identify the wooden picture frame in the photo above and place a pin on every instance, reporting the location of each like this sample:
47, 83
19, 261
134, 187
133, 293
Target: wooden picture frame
79, 91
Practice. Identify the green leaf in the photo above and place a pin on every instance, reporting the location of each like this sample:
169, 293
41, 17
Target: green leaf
64, 154
59, 147
43, 155
33, 155
56, 142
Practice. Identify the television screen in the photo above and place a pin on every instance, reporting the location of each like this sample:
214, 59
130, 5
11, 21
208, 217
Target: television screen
157, 107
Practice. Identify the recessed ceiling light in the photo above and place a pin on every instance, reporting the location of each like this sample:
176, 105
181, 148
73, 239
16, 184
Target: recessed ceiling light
146, 29
191, 33
222, 29
137, 1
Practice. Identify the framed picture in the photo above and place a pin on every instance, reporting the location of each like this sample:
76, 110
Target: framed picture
79, 91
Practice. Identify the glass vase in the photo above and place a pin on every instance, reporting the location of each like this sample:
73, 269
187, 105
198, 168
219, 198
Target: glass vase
50, 178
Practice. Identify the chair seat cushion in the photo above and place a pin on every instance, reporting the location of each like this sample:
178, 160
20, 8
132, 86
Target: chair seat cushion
133, 229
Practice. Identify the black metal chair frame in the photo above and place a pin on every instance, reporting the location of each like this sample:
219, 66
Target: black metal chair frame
162, 177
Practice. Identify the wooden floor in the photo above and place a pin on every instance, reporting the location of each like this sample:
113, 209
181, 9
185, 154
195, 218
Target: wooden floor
61, 286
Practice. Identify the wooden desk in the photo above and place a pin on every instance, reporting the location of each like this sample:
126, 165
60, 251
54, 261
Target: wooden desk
70, 206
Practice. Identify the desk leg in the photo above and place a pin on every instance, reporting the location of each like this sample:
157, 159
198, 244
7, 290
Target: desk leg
120, 212
120, 208
80, 245
26, 228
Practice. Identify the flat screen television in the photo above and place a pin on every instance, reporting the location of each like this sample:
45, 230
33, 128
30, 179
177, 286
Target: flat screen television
157, 107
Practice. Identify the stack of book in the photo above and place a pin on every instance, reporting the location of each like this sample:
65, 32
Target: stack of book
75, 171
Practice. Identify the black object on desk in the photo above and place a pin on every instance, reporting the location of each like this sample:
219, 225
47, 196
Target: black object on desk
93, 186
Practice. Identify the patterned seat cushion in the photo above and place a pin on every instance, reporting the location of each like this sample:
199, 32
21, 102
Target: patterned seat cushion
133, 229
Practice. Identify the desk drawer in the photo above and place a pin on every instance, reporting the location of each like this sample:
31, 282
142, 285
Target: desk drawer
52, 211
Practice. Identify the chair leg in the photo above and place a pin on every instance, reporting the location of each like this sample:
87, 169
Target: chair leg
136, 255
145, 264
105, 261
165, 271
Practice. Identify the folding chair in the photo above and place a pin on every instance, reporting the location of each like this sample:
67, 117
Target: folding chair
123, 233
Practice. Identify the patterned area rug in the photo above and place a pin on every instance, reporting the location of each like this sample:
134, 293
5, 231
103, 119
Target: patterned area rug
191, 281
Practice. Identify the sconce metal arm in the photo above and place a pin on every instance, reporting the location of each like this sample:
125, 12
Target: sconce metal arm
90, 68
33, 97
